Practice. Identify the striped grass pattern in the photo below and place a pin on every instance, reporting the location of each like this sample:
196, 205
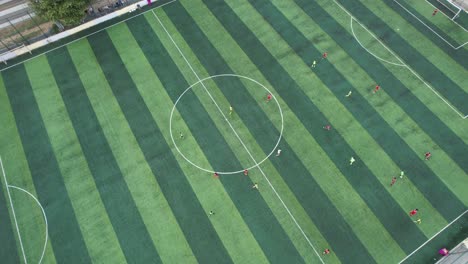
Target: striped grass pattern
119, 135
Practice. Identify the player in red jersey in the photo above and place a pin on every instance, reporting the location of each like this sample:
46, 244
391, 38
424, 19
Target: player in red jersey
216, 175
326, 251
435, 12
246, 172
393, 181
268, 97
413, 212
327, 127
324, 56
377, 88
427, 155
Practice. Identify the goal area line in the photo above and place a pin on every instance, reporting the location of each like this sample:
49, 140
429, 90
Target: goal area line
431, 29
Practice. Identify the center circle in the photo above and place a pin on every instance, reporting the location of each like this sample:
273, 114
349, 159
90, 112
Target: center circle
256, 164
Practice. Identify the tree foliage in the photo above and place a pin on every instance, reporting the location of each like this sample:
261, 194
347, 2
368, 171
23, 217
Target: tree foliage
68, 12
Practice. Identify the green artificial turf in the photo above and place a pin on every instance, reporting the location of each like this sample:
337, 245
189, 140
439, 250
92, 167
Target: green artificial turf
92, 129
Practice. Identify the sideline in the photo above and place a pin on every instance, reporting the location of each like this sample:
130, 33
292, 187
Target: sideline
432, 237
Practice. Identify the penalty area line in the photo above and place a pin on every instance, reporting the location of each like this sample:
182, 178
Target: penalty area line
433, 31
447, 16
402, 62
43, 214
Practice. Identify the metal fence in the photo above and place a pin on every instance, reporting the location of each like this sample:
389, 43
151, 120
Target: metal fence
99, 8
24, 27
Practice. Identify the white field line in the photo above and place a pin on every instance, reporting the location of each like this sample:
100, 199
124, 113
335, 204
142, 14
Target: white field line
433, 31
432, 237
402, 62
13, 211
45, 219
447, 16
245, 147
78, 39
389, 62
210, 78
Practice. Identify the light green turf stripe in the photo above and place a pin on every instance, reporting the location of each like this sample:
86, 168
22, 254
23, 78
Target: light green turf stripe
89, 209
156, 98
419, 41
29, 216
226, 46
447, 170
373, 156
418, 88
278, 210
164, 231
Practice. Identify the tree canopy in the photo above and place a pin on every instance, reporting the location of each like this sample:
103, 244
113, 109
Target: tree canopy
68, 12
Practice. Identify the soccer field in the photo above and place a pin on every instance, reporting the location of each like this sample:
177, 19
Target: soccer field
109, 143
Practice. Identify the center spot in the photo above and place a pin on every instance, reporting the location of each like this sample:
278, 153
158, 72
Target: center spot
229, 142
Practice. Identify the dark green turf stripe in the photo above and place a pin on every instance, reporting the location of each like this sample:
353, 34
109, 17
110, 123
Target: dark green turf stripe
428, 121
9, 251
372, 192
257, 215
292, 170
426, 181
203, 240
120, 206
428, 71
64, 232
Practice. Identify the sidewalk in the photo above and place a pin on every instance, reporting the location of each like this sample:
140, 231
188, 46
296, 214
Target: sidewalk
458, 255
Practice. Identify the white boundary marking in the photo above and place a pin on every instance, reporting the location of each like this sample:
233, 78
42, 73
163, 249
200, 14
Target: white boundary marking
432, 237
447, 16
389, 62
90, 34
213, 77
402, 62
45, 219
245, 147
13, 211
433, 31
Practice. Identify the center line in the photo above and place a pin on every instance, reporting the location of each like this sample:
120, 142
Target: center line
237, 135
